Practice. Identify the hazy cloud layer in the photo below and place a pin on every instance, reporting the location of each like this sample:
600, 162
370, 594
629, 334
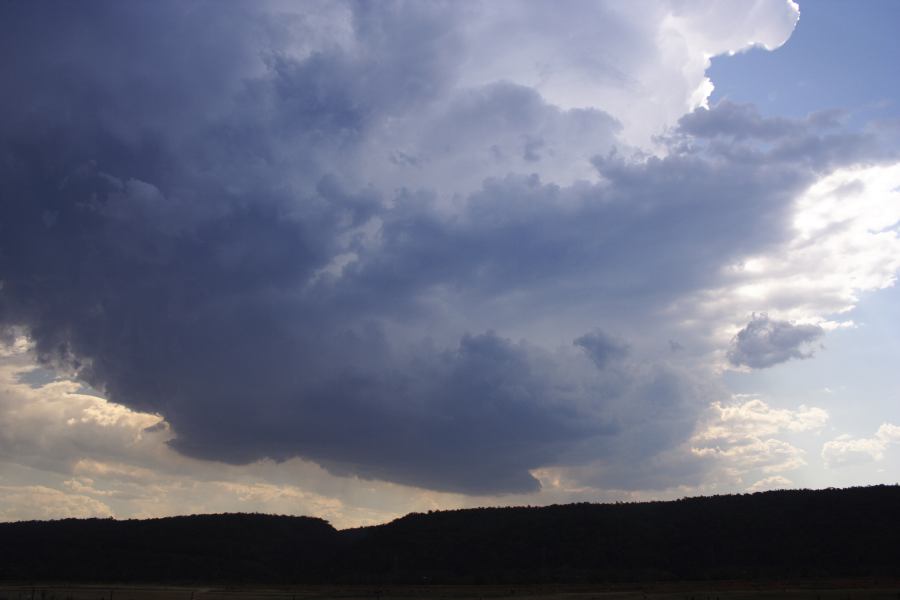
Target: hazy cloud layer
336, 231
25, 503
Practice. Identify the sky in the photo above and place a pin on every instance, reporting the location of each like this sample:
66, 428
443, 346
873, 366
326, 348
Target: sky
359, 259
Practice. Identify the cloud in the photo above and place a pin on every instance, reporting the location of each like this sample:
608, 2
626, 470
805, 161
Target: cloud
366, 235
732, 122
32, 502
58, 459
49, 425
135, 474
765, 342
602, 348
738, 122
753, 417
487, 384
647, 68
750, 454
846, 450
840, 244
738, 436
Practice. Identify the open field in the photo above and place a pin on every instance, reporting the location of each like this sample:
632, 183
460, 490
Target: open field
832, 590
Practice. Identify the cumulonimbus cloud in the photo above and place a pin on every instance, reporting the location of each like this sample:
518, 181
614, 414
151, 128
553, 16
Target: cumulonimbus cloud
327, 232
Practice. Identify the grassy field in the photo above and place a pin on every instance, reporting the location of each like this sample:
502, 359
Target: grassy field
841, 590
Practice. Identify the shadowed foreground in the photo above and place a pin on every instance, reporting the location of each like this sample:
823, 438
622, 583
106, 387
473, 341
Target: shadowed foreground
800, 535
819, 590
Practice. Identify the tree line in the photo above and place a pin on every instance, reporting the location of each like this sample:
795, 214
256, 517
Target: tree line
797, 533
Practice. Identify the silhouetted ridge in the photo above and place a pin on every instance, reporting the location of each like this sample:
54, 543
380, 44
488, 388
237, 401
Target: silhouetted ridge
230, 547
803, 533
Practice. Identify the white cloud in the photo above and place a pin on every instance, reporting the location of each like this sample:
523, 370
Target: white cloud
645, 63
769, 455
754, 418
526, 87
842, 242
49, 425
739, 436
889, 433
846, 450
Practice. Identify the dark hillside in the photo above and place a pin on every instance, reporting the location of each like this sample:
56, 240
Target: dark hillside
827, 533
234, 548
852, 532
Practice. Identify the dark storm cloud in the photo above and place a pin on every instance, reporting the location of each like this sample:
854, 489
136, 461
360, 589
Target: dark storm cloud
765, 342
816, 142
743, 121
738, 121
180, 194
602, 348
474, 418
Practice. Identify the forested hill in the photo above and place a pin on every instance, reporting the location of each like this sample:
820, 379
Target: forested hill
827, 533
